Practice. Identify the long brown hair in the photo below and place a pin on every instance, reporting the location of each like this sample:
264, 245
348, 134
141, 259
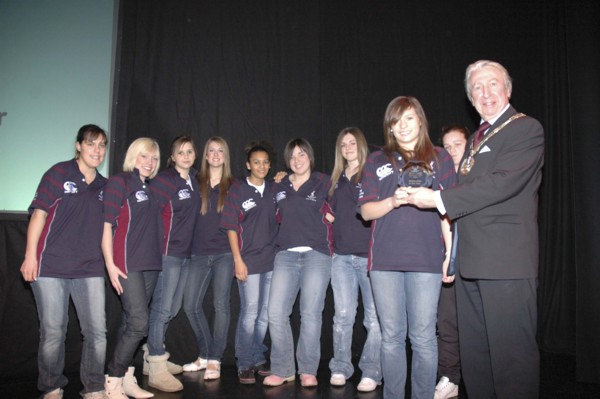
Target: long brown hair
341, 163
424, 149
203, 176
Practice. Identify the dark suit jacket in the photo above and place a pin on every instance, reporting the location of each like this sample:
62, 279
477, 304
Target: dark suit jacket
496, 203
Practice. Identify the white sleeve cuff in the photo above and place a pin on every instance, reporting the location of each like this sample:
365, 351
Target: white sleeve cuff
439, 204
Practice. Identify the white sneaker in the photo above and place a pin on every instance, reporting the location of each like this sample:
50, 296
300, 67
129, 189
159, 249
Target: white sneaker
95, 395
196, 365
337, 379
213, 370
56, 394
366, 384
445, 389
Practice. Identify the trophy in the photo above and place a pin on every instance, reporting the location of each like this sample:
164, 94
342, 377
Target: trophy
415, 174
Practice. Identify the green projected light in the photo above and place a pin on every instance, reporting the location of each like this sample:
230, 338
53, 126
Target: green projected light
55, 76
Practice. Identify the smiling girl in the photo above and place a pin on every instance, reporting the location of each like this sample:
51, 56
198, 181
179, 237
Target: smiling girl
250, 220
63, 260
211, 262
410, 248
177, 193
131, 248
302, 264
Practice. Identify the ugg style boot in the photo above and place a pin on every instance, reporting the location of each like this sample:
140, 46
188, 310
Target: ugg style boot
172, 367
131, 387
55, 394
113, 387
159, 376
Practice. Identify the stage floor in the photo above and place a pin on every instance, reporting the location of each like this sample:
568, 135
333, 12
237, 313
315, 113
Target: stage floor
557, 381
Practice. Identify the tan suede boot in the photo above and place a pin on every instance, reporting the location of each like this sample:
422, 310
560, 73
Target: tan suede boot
172, 367
131, 387
159, 376
113, 387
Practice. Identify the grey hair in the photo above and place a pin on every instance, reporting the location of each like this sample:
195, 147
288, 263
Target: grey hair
482, 64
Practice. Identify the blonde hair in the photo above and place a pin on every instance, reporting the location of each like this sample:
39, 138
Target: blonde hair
137, 147
203, 176
341, 163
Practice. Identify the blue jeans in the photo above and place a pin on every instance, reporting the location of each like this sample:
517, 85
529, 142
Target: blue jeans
348, 274
203, 270
407, 302
52, 300
308, 272
166, 301
253, 320
137, 292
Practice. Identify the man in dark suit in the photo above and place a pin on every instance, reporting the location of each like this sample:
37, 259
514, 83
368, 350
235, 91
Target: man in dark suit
495, 208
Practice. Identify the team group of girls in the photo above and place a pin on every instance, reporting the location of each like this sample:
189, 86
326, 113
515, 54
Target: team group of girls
165, 237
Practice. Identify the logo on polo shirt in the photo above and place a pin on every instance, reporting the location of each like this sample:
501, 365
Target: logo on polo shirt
432, 166
311, 197
280, 196
70, 187
361, 192
141, 196
184, 194
248, 204
101, 195
384, 171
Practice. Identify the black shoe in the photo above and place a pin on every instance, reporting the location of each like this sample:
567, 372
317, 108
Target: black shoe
246, 376
263, 369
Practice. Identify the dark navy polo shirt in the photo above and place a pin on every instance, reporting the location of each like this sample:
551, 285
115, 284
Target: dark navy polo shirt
179, 204
407, 238
69, 246
253, 217
302, 213
135, 217
209, 239
351, 234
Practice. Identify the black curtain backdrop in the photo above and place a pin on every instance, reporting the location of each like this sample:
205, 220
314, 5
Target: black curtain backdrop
581, 125
275, 70
280, 69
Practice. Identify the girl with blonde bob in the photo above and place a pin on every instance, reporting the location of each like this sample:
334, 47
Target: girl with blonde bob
131, 249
